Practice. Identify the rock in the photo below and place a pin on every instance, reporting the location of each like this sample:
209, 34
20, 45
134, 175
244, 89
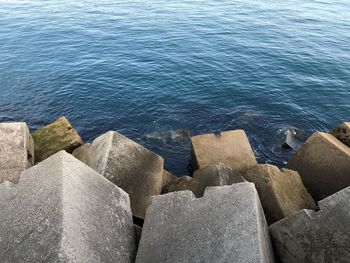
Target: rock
227, 224
129, 165
318, 237
231, 148
281, 192
167, 178
16, 150
342, 133
293, 140
55, 137
211, 175
323, 164
169, 136
63, 211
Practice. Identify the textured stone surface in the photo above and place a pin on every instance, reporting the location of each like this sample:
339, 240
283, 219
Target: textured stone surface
63, 211
316, 237
16, 150
55, 137
211, 175
132, 167
167, 178
226, 225
184, 183
231, 148
281, 192
323, 164
342, 133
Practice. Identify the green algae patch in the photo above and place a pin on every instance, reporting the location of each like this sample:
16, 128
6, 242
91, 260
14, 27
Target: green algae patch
57, 136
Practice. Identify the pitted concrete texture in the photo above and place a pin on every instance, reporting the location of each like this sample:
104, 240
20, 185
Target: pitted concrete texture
226, 225
16, 150
211, 175
316, 237
63, 211
127, 164
323, 164
57, 136
342, 133
230, 147
281, 192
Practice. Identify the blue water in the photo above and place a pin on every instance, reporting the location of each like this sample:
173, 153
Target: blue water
148, 67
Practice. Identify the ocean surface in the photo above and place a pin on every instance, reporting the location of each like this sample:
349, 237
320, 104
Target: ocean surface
149, 68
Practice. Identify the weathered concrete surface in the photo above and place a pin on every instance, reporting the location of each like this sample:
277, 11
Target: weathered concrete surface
55, 137
281, 192
167, 178
316, 237
231, 148
226, 225
16, 150
217, 175
323, 164
342, 133
63, 211
184, 183
129, 165
211, 175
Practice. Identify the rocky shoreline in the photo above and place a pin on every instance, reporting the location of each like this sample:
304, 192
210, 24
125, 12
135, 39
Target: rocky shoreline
63, 200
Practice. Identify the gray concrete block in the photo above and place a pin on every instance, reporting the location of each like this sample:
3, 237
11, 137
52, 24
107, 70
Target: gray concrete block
16, 150
230, 147
226, 225
63, 211
316, 237
127, 164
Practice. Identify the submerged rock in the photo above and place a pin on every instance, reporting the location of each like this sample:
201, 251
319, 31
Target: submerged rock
129, 165
323, 164
281, 192
55, 137
169, 135
316, 237
63, 211
231, 148
16, 150
342, 133
227, 224
294, 139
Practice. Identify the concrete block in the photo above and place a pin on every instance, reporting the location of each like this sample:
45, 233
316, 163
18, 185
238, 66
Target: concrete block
323, 164
211, 175
230, 147
63, 211
342, 133
281, 192
127, 164
16, 150
226, 225
316, 237
57, 136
